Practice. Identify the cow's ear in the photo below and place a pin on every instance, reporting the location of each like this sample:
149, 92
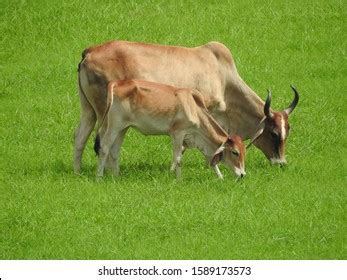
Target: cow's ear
218, 155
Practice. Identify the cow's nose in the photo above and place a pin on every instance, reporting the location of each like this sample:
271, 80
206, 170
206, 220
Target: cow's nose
280, 162
283, 163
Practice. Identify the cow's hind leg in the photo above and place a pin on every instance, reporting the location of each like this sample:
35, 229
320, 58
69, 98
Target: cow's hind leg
82, 133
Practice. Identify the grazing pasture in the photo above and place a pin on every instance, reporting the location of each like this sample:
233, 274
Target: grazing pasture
296, 212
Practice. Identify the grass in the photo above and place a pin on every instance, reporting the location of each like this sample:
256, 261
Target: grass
47, 212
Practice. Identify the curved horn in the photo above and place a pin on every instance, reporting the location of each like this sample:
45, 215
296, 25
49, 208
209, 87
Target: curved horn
294, 102
267, 105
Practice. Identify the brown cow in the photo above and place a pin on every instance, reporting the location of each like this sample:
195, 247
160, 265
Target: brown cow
209, 68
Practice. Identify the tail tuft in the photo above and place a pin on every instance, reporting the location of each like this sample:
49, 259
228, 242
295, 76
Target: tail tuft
84, 54
97, 144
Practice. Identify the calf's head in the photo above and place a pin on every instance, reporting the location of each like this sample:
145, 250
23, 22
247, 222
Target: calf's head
232, 153
275, 127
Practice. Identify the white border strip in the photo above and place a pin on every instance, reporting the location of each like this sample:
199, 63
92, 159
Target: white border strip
53, 269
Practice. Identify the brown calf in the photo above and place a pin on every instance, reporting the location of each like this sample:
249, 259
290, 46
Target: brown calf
157, 109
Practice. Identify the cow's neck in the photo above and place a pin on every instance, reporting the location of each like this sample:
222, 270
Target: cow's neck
211, 135
245, 110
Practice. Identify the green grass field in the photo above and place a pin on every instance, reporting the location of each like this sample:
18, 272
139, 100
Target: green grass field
47, 212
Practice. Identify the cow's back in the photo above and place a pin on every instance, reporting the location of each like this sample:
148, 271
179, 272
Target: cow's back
205, 68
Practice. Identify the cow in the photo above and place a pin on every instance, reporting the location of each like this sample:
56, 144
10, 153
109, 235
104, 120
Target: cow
158, 109
209, 68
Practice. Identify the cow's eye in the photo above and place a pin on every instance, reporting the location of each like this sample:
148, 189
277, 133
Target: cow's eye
235, 153
274, 135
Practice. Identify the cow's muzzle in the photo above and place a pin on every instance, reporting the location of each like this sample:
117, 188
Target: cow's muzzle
279, 161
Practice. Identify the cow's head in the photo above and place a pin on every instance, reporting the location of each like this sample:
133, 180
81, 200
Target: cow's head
232, 153
275, 127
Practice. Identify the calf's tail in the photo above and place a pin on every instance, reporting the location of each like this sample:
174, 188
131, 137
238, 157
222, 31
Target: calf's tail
97, 142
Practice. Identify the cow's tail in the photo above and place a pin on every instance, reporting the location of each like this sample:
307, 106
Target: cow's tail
97, 142
79, 75
80, 65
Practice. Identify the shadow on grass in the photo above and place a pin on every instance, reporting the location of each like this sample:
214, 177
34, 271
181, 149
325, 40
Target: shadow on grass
195, 174
129, 169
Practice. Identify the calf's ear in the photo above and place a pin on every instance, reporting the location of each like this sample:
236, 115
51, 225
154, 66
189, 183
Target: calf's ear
218, 155
230, 140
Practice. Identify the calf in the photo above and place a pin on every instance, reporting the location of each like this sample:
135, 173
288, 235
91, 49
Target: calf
157, 109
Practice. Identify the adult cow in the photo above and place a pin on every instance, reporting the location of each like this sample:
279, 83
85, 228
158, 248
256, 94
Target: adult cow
209, 68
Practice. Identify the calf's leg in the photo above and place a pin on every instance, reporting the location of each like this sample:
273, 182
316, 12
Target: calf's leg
106, 143
177, 141
115, 152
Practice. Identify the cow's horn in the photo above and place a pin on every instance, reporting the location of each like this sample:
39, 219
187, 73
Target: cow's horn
294, 102
267, 105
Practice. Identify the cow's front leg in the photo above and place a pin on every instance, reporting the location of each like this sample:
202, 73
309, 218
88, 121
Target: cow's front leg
216, 169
